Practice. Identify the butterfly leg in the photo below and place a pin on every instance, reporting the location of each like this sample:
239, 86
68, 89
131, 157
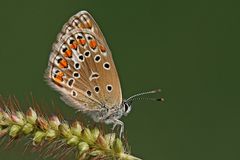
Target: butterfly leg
118, 122
114, 126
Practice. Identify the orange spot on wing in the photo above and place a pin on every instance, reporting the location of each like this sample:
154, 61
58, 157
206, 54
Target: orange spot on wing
60, 74
82, 41
58, 79
68, 53
102, 48
63, 64
93, 44
73, 46
57, 82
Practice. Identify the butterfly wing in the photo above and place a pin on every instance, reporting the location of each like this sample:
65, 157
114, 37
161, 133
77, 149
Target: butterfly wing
81, 67
81, 20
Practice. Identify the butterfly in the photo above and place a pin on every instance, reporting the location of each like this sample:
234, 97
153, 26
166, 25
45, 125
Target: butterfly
82, 70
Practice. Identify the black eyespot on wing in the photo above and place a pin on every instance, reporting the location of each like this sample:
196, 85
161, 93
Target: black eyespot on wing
109, 87
97, 58
81, 57
89, 38
87, 53
96, 89
79, 37
74, 93
70, 82
89, 93
76, 74
64, 49
77, 65
106, 65
59, 60
71, 41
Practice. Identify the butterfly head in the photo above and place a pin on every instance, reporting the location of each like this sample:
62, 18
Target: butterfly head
126, 104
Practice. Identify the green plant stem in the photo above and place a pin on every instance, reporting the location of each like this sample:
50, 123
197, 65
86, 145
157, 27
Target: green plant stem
85, 142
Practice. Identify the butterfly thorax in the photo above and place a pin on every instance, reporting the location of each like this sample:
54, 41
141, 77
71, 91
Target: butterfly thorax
108, 115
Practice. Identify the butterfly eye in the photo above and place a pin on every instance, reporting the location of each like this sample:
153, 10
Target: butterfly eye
127, 108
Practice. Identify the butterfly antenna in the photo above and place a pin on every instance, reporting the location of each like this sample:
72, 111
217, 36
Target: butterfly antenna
148, 99
143, 93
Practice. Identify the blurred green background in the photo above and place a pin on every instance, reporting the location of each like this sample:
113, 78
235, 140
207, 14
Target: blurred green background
190, 49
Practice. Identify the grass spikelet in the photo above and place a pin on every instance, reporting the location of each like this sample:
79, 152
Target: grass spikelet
58, 138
